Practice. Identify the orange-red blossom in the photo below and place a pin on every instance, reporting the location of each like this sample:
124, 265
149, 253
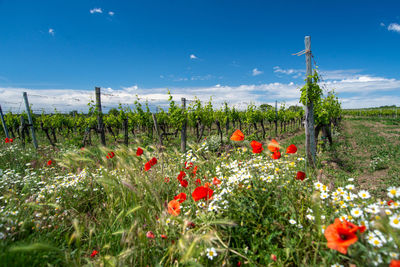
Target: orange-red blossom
341, 235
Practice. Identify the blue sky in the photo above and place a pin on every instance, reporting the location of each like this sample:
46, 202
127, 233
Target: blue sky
239, 51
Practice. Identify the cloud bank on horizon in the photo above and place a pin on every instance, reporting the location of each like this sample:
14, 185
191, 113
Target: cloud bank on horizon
355, 90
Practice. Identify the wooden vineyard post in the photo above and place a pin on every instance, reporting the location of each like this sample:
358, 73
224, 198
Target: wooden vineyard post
22, 130
183, 131
126, 132
276, 118
157, 130
4, 123
28, 111
227, 119
100, 125
309, 123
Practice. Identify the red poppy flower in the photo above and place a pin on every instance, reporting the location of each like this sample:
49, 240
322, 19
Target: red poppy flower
195, 170
340, 235
190, 225
390, 202
139, 152
202, 192
180, 197
237, 136
166, 179
94, 253
163, 236
291, 149
174, 208
153, 161
188, 166
300, 176
216, 181
7, 140
273, 146
197, 182
257, 147
395, 263
147, 166
184, 183
110, 155
181, 175
276, 155
49, 162
273, 257
150, 235
11, 140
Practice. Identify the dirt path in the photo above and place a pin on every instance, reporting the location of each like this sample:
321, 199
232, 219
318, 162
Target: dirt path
366, 151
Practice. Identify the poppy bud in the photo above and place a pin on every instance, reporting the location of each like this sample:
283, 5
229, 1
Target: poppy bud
94, 253
150, 235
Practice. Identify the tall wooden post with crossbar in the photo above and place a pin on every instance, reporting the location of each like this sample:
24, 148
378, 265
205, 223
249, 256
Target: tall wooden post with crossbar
311, 147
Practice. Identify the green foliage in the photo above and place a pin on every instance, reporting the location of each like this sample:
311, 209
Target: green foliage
311, 91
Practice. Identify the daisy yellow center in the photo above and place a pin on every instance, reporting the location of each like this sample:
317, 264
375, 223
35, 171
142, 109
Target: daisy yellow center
396, 221
211, 253
376, 242
392, 191
364, 195
356, 212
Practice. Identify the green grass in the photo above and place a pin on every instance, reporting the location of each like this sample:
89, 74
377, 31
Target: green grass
57, 215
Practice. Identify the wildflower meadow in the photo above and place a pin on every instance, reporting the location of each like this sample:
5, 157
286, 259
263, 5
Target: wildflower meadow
255, 203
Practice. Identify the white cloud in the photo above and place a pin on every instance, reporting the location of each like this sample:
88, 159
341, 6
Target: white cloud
355, 90
382, 24
367, 101
192, 56
364, 84
325, 74
295, 73
111, 13
51, 32
256, 72
394, 27
201, 77
96, 10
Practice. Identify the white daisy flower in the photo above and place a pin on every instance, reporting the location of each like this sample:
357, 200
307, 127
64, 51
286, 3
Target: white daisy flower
318, 185
291, 221
394, 255
343, 217
393, 192
373, 208
364, 194
356, 212
211, 253
324, 195
310, 217
395, 221
375, 242
349, 187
